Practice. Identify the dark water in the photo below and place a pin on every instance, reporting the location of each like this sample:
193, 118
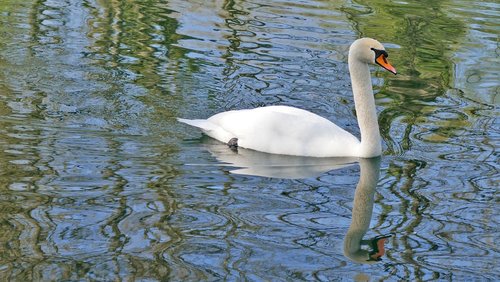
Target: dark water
99, 182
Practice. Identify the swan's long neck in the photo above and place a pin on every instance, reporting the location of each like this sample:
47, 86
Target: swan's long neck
365, 108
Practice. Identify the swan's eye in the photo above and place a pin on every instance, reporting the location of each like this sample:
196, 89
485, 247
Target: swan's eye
379, 52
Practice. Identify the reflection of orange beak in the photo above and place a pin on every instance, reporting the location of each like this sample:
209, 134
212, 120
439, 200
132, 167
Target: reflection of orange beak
382, 61
381, 248
378, 247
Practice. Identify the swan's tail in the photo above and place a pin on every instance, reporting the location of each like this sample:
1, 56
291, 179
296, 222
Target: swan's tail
209, 128
203, 124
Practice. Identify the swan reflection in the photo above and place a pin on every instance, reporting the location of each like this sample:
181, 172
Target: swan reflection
249, 162
361, 215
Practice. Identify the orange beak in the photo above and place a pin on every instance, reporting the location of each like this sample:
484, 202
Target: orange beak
382, 61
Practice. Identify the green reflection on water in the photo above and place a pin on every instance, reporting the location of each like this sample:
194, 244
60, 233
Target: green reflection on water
426, 37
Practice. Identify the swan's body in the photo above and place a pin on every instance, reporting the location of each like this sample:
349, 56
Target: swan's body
279, 130
292, 131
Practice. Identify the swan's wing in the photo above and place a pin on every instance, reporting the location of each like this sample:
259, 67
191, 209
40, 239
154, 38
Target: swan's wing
285, 130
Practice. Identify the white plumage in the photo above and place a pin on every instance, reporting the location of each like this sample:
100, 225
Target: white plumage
278, 130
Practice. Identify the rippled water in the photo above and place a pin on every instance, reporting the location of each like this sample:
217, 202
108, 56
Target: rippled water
98, 181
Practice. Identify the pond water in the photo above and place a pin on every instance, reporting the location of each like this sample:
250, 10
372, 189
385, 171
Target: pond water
98, 181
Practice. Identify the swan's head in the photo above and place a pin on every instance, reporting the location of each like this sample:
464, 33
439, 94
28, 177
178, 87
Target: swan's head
370, 51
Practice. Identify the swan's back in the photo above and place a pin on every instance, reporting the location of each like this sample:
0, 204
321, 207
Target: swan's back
280, 130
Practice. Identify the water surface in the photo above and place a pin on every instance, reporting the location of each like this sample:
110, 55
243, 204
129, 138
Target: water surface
98, 181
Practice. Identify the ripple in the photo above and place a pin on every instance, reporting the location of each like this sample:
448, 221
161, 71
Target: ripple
96, 182
463, 266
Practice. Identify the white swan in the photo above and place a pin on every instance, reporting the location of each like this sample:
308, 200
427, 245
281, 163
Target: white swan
292, 131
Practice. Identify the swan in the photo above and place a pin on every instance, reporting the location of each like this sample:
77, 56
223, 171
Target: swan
291, 131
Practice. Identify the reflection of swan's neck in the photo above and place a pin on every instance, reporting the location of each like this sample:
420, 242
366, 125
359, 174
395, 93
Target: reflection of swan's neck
365, 107
362, 210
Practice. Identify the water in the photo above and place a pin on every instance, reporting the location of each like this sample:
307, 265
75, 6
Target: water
99, 182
